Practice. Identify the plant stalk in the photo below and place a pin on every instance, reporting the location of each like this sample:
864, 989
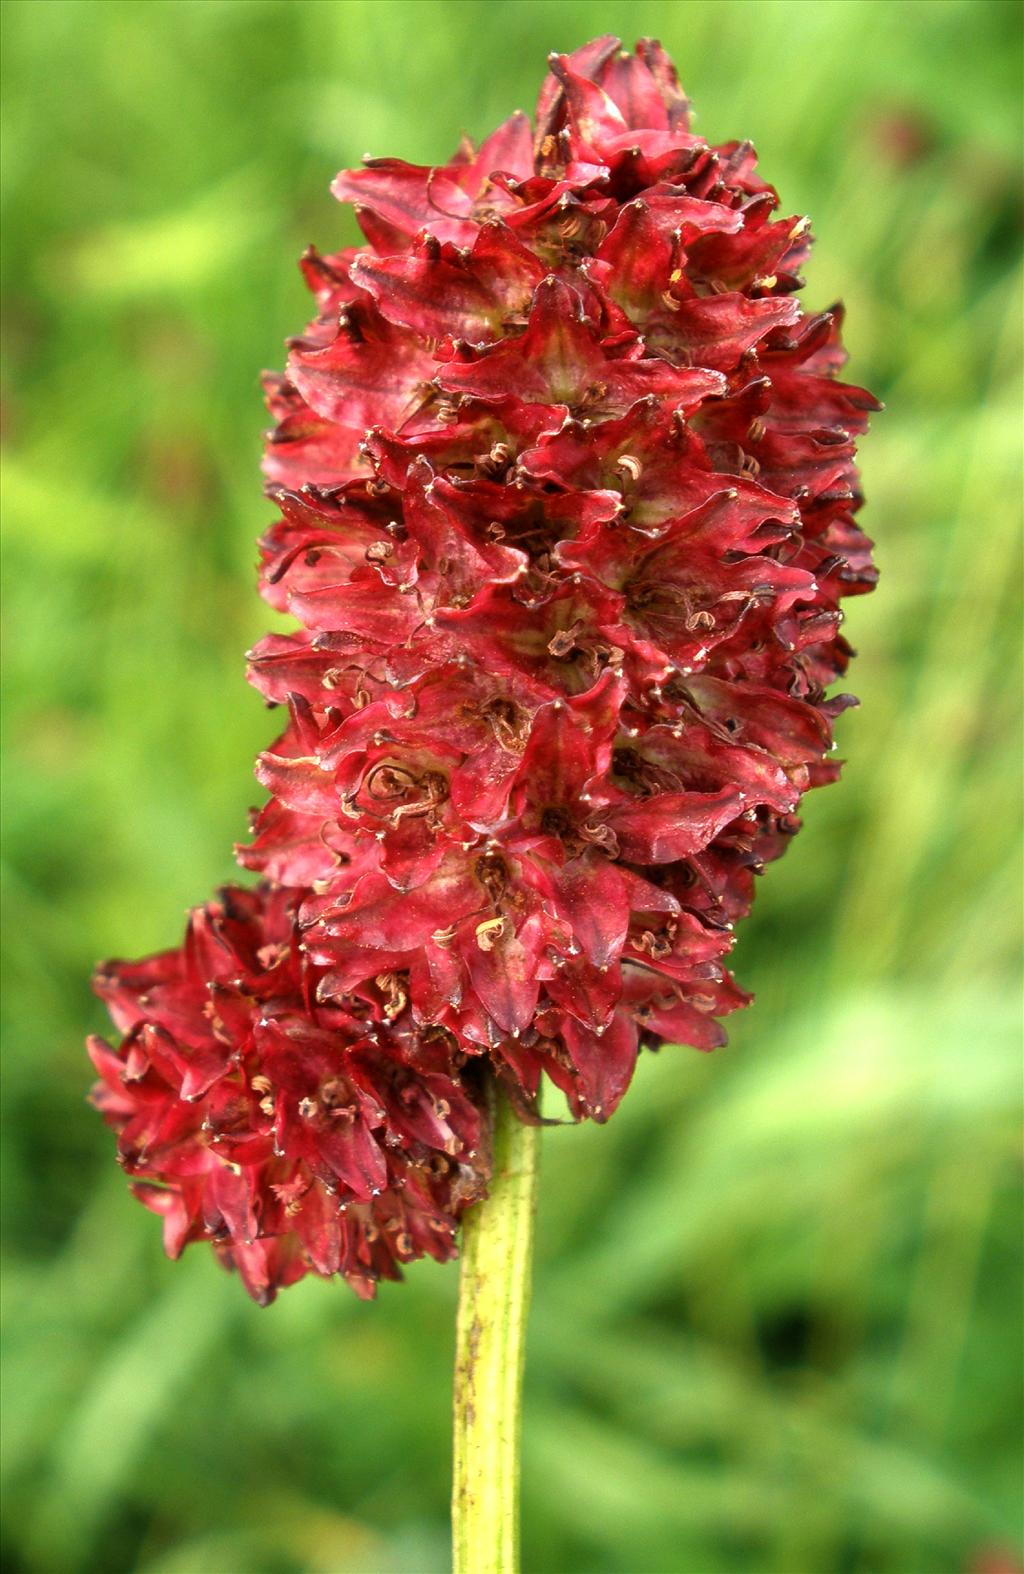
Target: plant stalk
490, 1348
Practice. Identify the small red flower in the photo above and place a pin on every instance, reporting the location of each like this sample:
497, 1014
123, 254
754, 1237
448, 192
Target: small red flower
292, 1133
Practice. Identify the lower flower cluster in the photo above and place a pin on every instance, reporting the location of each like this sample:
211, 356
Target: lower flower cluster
294, 1134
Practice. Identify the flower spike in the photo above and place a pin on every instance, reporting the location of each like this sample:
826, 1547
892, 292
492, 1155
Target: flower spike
586, 571
566, 500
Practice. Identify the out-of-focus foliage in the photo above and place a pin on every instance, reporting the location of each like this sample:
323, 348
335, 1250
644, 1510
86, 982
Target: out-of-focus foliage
776, 1311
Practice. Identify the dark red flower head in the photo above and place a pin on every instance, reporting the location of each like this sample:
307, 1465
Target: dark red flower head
567, 499
566, 508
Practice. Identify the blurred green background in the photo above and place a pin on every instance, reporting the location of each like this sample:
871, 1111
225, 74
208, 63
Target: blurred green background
777, 1314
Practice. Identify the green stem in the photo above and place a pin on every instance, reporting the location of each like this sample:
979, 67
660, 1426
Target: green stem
494, 1299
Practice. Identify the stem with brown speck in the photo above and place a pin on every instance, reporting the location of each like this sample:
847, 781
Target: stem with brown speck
494, 1299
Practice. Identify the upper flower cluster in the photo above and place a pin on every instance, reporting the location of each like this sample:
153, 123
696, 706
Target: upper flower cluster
566, 495
566, 492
